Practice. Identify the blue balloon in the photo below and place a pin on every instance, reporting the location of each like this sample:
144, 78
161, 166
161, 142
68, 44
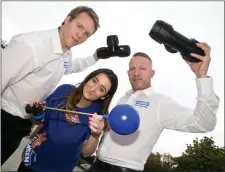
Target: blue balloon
123, 119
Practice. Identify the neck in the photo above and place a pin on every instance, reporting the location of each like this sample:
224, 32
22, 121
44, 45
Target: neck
83, 103
61, 36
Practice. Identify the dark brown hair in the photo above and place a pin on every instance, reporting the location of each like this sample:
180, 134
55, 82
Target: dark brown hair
77, 92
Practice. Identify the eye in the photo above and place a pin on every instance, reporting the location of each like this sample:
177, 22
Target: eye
101, 90
142, 68
94, 80
87, 34
131, 69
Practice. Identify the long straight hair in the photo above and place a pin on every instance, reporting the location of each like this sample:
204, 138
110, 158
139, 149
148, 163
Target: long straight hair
77, 92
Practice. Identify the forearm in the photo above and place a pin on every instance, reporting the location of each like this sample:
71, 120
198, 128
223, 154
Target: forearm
207, 105
90, 146
200, 119
80, 64
36, 122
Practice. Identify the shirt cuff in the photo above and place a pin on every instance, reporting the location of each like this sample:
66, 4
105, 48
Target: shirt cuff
204, 86
90, 60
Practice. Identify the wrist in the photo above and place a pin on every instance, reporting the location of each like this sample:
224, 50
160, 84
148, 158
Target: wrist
202, 76
96, 57
96, 135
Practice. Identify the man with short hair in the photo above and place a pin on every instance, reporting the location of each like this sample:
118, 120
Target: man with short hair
33, 64
119, 153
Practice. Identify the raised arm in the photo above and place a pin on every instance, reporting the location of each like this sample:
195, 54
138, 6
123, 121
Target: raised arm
200, 119
203, 117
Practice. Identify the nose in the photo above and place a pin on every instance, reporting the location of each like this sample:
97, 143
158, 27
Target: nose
93, 88
80, 34
136, 72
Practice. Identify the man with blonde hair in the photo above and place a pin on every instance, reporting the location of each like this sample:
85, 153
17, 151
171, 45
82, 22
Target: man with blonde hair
32, 65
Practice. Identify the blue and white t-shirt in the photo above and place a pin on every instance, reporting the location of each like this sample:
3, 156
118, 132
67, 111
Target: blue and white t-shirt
59, 147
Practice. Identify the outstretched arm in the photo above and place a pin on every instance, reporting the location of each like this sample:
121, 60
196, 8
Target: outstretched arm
201, 119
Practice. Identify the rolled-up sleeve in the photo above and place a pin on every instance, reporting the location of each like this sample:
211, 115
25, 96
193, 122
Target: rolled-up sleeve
202, 118
80, 64
16, 62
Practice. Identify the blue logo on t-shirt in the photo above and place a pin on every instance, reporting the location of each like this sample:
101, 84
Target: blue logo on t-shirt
66, 64
142, 103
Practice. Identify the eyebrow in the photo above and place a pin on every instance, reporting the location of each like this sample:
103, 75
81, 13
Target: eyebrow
135, 66
101, 85
88, 33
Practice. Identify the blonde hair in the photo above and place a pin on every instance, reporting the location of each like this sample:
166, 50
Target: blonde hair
80, 9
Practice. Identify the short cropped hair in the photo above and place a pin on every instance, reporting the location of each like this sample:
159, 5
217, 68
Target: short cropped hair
142, 54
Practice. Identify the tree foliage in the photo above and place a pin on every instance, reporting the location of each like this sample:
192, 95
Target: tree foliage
200, 156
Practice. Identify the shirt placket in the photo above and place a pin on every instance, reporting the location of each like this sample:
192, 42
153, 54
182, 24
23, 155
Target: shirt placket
132, 98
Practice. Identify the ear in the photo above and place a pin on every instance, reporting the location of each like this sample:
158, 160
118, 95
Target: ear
105, 97
67, 20
152, 73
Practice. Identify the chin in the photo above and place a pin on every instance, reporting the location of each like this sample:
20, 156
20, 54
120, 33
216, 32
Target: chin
87, 97
139, 88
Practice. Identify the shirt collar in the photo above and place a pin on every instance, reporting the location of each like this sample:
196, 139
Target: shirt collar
146, 92
57, 48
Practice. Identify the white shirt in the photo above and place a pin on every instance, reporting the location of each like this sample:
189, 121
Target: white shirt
158, 112
32, 65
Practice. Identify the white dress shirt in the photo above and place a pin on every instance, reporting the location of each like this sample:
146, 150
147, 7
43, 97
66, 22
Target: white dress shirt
158, 112
32, 65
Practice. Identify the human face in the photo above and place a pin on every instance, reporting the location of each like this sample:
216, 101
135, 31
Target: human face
140, 73
97, 87
77, 30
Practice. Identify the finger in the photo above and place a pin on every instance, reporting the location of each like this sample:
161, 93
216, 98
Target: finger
205, 44
95, 120
99, 126
43, 103
94, 125
96, 116
94, 129
204, 48
31, 103
198, 56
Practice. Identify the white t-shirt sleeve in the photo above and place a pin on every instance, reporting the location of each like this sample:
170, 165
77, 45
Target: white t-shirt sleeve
200, 119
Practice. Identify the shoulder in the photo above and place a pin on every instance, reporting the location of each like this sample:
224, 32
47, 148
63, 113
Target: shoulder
33, 38
63, 90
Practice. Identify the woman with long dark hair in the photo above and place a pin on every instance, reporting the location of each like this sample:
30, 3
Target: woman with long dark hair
64, 137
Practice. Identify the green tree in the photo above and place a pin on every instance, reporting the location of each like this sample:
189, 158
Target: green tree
201, 156
159, 163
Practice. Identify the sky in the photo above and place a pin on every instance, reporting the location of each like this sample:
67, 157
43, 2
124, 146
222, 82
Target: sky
132, 21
